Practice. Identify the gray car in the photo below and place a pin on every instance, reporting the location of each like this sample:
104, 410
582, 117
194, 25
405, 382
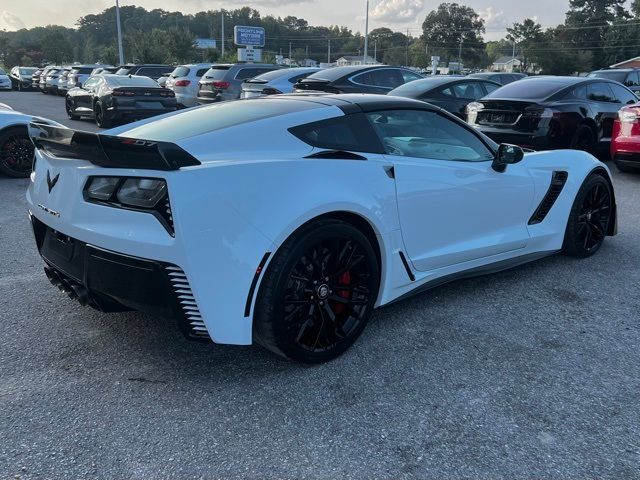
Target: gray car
80, 74
224, 81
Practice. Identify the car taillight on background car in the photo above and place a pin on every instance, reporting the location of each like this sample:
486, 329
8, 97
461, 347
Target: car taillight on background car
628, 123
629, 114
220, 85
182, 83
168, 93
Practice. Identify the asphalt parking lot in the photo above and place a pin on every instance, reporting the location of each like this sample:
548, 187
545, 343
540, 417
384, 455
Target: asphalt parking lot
530, 373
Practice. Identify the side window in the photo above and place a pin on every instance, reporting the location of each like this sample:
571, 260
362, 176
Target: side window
426, 134
632, 80
490, 87
382, 77
468, 90
409, 76
599, 92
623, 95
579, 93
349, 133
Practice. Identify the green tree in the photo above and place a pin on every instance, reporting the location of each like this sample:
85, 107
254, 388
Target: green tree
450, 26
56, 48
527, 36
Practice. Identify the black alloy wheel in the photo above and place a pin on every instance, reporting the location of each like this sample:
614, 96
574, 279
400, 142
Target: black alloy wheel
101, 120
584, 140
589, 219
68, 104
318, 293
16, 152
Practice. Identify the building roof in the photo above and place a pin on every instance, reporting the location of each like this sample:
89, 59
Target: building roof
634, 59
505, 59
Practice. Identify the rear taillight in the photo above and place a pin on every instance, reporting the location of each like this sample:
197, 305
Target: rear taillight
271, 91
539, 113
120, 93
221, 85
629, 114
182, 83
168, 93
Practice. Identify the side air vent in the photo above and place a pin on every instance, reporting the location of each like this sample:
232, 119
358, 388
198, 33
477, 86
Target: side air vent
558, 180
192, 323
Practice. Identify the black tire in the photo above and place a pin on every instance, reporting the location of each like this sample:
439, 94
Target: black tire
99, 117
16, 152
68, 105
318, 293
589, 218
584, 139
19, 86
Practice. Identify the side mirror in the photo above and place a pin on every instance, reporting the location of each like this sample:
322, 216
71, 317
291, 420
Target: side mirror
507, 155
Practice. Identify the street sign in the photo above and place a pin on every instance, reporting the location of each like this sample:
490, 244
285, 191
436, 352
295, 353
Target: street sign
249, 54
248, 36
204, 43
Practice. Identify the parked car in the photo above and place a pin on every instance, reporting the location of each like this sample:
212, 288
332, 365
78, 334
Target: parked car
625, 140
162, 81
224, 81
545, 113
49, 79
5, 81
297, 215
154, 71
104, 69
357, 79
629, 77
79, 74
501, 78
35, 78
21, 77
108, 98
63, 81
275, 82
184, 82
16, 149
451, 94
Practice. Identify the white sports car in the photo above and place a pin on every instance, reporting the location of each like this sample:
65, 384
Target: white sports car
16, 149
286, 220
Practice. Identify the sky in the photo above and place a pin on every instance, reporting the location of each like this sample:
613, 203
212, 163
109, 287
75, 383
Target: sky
395, 14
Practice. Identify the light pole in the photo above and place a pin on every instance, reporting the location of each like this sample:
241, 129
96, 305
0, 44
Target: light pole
222, 31
120, 52
366, 36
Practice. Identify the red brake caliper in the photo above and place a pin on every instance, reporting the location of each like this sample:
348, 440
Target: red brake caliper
345, 280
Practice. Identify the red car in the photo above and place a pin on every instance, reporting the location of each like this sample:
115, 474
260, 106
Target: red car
625, 139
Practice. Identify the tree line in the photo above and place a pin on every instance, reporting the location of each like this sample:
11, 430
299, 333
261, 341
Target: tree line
595, 34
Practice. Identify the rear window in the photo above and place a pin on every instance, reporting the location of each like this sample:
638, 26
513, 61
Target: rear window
216, 73
180, 72
246, 73
528, 89
126, 81
154, 72
197, 121
272, 75
83, 70
123, 71
611, 75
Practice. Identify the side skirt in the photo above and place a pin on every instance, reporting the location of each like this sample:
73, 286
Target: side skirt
476, 272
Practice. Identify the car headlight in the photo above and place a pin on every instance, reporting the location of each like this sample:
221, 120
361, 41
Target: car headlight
102, 188
142, 192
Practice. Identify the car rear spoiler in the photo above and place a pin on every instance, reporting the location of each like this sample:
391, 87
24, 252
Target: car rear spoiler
109, 151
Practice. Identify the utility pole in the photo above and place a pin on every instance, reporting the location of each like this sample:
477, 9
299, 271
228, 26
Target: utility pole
329, 51
306, 52
375, 50
513, 56
460, 56
406, 53
289, 54
120, 51
222, 28
366, 36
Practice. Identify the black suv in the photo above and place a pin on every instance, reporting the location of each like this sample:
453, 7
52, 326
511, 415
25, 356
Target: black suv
379, 79
629, 77
154, 71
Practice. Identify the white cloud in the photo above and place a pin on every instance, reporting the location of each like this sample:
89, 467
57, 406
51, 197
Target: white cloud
494, 21
9, 21
398, 11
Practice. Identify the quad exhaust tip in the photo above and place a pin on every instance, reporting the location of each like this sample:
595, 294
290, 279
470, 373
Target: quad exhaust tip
74, 290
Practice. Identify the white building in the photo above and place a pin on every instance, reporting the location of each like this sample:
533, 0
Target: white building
506, 64
350, 60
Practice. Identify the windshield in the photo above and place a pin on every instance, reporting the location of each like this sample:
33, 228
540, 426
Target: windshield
2, 72
27, 71
610, 74
528, 89
123, 71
